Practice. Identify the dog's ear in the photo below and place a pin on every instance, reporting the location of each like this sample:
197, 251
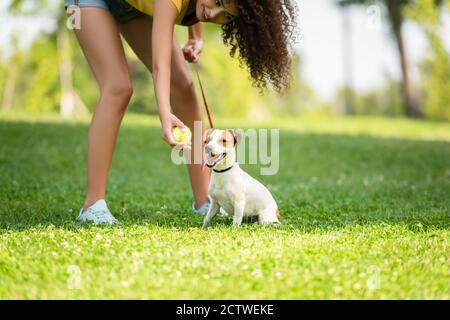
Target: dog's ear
237, 135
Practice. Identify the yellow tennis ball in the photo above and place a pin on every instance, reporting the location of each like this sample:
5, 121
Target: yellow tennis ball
182, 134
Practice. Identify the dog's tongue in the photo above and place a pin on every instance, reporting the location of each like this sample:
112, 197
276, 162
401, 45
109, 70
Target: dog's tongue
211, 161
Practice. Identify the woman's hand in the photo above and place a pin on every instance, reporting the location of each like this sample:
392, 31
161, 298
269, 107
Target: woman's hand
192, 50
168, 123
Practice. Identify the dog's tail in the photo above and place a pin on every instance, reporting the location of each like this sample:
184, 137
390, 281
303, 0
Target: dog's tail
278, 214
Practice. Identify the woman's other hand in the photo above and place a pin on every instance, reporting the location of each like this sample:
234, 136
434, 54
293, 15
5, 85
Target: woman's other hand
192, 50
168, 123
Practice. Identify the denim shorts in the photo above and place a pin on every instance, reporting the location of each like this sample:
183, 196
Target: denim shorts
120, 9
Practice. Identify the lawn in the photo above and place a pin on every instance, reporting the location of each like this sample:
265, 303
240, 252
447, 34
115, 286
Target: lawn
365, 206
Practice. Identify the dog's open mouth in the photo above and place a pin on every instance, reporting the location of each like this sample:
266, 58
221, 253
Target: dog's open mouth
211, 160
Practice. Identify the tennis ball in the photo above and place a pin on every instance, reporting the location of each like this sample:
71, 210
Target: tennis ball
182, 134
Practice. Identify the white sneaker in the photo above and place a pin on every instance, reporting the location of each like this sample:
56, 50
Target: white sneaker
204, 208
97, 213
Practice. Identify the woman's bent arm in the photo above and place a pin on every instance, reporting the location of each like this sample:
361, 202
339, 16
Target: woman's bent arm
196, 31
165, 14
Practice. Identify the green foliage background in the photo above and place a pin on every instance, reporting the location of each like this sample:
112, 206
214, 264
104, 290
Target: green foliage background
229, 89
435, 69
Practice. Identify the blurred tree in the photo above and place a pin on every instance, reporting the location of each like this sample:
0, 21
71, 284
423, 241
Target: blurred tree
396, 15
384, 101
298, 99
70, 103
55, 65
347, 61
226, 82
40, 87
10, 74
229, 87
2, 80
435, 69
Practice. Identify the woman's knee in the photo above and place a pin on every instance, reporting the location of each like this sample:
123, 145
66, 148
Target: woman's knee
118, 94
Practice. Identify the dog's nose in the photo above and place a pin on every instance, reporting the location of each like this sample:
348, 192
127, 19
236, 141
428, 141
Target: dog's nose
208, 148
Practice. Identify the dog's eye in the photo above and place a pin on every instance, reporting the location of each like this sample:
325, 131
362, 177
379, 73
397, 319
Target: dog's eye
224, 141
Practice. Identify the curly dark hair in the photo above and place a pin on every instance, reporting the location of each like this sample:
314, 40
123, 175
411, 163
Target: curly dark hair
263, 34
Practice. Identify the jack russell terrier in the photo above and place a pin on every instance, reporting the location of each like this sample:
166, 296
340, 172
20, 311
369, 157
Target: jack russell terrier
232, 188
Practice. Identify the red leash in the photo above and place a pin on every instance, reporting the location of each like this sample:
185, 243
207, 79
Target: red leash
204, 99
207, 110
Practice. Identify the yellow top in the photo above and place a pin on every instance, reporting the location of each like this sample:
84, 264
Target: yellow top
146, 6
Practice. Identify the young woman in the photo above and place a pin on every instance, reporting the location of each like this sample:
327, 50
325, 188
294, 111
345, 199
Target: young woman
259, 31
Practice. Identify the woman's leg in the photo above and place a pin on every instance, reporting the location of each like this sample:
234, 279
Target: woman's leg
183, 99
100, 42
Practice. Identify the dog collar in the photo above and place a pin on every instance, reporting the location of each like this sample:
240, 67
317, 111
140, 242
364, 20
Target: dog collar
224, 170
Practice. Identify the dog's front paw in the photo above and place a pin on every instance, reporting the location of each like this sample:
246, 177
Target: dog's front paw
205, 224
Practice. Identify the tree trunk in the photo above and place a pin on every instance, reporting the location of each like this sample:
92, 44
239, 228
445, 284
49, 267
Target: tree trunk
10, 85
11, 74
347, 106
410, 97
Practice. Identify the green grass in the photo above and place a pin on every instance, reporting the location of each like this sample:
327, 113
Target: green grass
365, 206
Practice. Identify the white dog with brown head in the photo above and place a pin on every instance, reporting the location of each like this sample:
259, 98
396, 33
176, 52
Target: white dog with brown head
232, 188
